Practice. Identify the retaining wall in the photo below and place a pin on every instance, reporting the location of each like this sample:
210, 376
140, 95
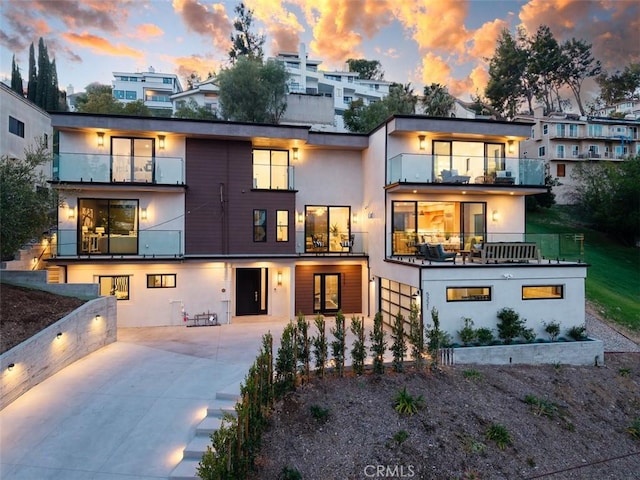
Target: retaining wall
44, 354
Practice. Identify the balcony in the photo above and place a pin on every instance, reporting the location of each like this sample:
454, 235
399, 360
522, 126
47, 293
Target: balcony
147, 243
432, 169
99, 168
340, 244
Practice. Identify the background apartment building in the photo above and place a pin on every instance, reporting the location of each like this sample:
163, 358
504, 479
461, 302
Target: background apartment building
154, 89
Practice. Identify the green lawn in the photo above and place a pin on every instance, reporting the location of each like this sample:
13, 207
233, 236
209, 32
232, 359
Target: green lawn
613, 278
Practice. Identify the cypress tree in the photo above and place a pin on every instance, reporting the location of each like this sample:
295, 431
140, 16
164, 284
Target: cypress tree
33, 75
53, 94
44, 77
16, 78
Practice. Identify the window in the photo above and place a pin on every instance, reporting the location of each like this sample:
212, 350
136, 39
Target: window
326, 228
16, 126
560, 170
573, 130
259, 225
282, 225
165, 280
545, 129
542, 151
396, 298
45, 140
326, 292
468, 294
107, 226
271, 169
575, 149
132, 159
119, 94
130, 95
168, 81
117, 286
538, 292
595, 130
594, 150
560, 129
560, 151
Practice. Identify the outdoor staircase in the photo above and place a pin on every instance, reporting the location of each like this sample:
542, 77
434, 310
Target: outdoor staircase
192, 453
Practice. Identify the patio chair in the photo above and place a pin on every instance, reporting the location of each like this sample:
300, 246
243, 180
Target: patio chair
436, 253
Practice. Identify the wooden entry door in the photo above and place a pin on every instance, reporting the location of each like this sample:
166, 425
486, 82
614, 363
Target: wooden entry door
251, 288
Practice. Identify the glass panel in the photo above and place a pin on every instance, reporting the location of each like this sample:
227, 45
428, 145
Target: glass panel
462, 153
121, 159
317, 292
468, 294
542, 291
339, 227
473, 224
279, 164
404, 227
441, 157
438, 222
316, 228
261, 169
143, 160
495, 158
118, 286
282, 226
331, 292
259, 225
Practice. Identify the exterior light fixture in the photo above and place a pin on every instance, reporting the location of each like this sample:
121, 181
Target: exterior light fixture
355, 218
59, 335
10, 366
279, 278
161, 142
495, 215
71, 213
300, 217
143, 214
295, 154
422, 144
101, 139
98, 317
512, 146
416, 294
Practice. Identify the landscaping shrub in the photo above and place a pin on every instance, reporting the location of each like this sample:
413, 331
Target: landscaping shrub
577, 333
358, 349
338, 344
285, 367
467, 334
320, 348
510, 325
378, 343
398, 346
484, 336
552, 329
416, 336
499, 434
407, 404
303, 347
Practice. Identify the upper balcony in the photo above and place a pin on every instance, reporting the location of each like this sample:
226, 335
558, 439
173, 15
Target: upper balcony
464, 170
118, 169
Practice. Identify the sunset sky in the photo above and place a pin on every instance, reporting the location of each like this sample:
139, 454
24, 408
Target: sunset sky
417, 41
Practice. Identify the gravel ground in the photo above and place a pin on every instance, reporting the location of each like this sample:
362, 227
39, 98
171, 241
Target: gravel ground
614, 341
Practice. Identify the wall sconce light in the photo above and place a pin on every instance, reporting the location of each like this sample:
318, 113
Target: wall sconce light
279, 278
71, 213
161, 142
512, 146
59, 335
354, 218
98, 318
10, 366
143, 214
495, 215
101, 139
422, 144
295, 154
416, 294
300, 217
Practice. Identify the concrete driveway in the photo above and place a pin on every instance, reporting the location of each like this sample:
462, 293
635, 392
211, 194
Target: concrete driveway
130, 409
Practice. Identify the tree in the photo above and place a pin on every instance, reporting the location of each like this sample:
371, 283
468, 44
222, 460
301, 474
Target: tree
577, 65
27, 204
436, 101
545, 60
620, 85
363, 118
506, 68
192, 110
245, 43
16, 78
367, 69
98, 99
546, 199
608, 195
33, 75
251, 91
137, 108
44, 77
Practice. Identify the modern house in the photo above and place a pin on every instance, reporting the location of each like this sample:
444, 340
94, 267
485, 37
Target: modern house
204, 94
179, 217
565, 140
154, 89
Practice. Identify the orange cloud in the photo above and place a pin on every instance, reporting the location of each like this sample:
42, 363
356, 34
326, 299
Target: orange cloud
101, 46
281, 26
435, 70
212, 22
199, 64
484, 40
148, 30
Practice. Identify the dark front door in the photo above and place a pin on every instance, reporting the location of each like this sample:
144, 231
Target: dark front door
251, 291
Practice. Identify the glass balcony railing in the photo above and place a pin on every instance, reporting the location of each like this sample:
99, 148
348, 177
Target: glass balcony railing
342, 243
159, 243
461, 169
552, 246
78, 167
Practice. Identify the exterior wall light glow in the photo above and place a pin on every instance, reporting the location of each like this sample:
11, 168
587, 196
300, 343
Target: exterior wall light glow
512, 146
300, 217
355, 218
143, 214
98, 317
101, 139
10, 366
71, 213
279, 279
295, 154
59, 335
422, 144
495, 215
161, 142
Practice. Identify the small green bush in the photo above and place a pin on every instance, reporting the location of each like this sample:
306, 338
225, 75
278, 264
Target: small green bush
499, 434
471, 374
541, 406
578, 332
528, 334
552, 329
406, 404
319, 413
634, 429
401, 436
467, 333
624, 372
484, 336
510, 325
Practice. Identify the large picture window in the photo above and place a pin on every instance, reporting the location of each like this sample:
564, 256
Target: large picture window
132, 159
540, 292
327, 228
107, 226
468, 294
271, 169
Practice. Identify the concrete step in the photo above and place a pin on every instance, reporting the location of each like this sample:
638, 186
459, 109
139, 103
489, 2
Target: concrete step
230, 392
208, 425
196, 447
221, 410
185, 470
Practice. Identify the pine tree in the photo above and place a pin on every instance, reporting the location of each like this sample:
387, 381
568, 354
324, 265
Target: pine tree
16, 78
33, 75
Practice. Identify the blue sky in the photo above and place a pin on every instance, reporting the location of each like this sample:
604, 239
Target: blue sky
417, 41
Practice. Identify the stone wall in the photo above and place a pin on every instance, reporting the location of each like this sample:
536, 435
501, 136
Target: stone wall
85, 330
